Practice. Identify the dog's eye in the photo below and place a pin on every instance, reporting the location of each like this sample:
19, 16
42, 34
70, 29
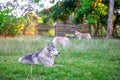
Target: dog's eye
53, 49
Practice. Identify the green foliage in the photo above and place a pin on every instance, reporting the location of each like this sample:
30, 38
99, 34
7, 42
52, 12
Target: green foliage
116, 2
51, 32
91, 19
37, 1
45, 19
85, 6
61, 10
82, 8
93, 10
82, 11
9, 23
31, 20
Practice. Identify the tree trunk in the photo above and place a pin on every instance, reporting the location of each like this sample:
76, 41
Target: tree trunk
115, 30
26, 26
110, 19
96, 29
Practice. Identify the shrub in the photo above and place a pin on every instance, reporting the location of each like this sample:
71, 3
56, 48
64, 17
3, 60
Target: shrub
9, 24
51, 32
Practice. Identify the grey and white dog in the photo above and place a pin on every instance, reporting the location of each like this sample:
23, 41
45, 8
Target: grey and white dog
64, 41
83, 35
45, 57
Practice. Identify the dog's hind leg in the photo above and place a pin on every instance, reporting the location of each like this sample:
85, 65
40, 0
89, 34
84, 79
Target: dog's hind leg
35, 60
26, 61
57, 65
20, 59
47, 64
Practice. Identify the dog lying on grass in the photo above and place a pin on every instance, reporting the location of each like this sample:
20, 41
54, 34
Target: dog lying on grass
61, 40
82, 35
46, 57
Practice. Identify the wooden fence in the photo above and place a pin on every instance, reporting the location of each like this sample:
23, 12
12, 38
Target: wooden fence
63, 29
43, 29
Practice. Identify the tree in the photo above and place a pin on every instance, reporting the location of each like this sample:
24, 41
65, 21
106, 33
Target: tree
94, 11
110, 19
13, 16
31, 20
9, 23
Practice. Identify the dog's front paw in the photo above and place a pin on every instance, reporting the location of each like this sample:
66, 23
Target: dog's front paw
48, 65
58, 65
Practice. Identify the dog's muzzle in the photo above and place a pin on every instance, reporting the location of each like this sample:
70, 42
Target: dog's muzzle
57, 54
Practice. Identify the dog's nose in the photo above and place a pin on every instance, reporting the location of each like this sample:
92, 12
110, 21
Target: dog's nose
59, 53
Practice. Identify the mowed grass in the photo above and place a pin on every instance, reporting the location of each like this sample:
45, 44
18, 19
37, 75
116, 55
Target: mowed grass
96, 59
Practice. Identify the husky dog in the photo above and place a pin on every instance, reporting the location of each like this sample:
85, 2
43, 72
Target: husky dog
61, 40
82, 35
45, 57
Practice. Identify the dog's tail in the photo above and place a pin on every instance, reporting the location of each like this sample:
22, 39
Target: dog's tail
20, 59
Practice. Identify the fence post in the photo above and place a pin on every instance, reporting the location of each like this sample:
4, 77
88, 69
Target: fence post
55, 30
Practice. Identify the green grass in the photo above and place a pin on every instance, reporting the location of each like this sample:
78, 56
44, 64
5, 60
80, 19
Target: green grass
97, 59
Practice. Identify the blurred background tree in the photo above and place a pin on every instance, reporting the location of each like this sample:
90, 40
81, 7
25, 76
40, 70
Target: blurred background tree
14, 18
93, 12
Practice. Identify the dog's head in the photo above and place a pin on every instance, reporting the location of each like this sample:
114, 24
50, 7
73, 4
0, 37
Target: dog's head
52, 50
76, 32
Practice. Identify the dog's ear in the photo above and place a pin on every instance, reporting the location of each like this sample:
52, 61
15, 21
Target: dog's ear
48, 45
52, 44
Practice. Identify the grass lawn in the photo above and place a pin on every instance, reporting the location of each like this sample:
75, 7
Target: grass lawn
97, 59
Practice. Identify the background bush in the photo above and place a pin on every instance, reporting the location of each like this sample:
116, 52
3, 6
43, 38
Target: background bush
9, 23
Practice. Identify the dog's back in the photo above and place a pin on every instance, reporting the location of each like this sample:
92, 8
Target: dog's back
86, 36
82, 35
29, 59
61, 40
